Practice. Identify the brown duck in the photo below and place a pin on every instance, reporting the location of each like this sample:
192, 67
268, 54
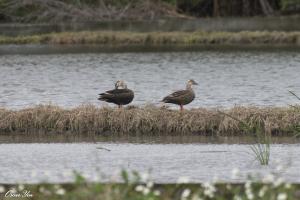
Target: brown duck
121, 95
182, 97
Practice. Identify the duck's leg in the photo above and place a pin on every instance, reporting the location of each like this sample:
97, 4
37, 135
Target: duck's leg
181, 107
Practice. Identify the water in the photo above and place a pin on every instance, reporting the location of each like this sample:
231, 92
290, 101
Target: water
225, 78
32, 163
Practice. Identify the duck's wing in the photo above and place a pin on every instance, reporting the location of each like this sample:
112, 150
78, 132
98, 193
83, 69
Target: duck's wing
113, 92
175, 95
116, 95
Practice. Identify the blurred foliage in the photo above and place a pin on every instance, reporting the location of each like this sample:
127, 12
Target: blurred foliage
292, 5
43, 10
141, 187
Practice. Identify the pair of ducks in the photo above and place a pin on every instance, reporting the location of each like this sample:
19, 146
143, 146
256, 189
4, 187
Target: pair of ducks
121, 95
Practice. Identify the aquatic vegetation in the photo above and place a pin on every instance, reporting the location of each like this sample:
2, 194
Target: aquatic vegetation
125, 38
262, 152
262, 140
150, 120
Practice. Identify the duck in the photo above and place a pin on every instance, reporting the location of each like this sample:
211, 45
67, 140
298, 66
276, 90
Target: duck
182, 97
120, 96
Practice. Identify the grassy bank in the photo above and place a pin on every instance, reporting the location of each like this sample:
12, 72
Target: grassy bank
115, 38
100, 191
151, 120
142, 188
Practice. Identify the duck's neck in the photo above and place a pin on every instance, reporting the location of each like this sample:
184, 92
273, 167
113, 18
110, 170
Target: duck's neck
121, 86
189, 86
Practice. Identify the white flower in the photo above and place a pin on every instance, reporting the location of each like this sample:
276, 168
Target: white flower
42, 189
262, 191
185, 194
139, 188
248, 191
209, 189
278, 182
248, 185
287, 186
145, 177
235, 173
56, 187
149, 184
146, 191
237, 197
228, 187
249, 194
13, 190
268, 178
21, 187
2, 189
183, 179
282, 196
156, 193
60, 191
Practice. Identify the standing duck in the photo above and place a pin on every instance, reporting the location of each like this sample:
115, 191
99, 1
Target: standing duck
182, 97
121, 95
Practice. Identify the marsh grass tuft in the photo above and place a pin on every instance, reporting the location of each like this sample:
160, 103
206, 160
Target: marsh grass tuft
261, 147
297, 108
149, 120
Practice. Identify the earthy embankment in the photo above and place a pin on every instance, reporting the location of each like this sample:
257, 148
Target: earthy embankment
117, 38
150, 120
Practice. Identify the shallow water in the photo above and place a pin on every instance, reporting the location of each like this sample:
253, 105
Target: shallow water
33, 163
141, 139
225, 78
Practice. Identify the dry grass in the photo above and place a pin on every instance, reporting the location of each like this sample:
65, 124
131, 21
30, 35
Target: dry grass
115, 38
149, 120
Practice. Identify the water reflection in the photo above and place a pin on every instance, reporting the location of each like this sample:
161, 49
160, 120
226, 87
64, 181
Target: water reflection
180, 139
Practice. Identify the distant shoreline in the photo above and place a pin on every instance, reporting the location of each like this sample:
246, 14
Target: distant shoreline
222, 24
156, 40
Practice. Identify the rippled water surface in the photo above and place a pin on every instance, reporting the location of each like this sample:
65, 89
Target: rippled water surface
225, 79
200, 162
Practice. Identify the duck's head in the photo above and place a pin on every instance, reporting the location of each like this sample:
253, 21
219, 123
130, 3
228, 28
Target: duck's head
190, 83
120, 85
